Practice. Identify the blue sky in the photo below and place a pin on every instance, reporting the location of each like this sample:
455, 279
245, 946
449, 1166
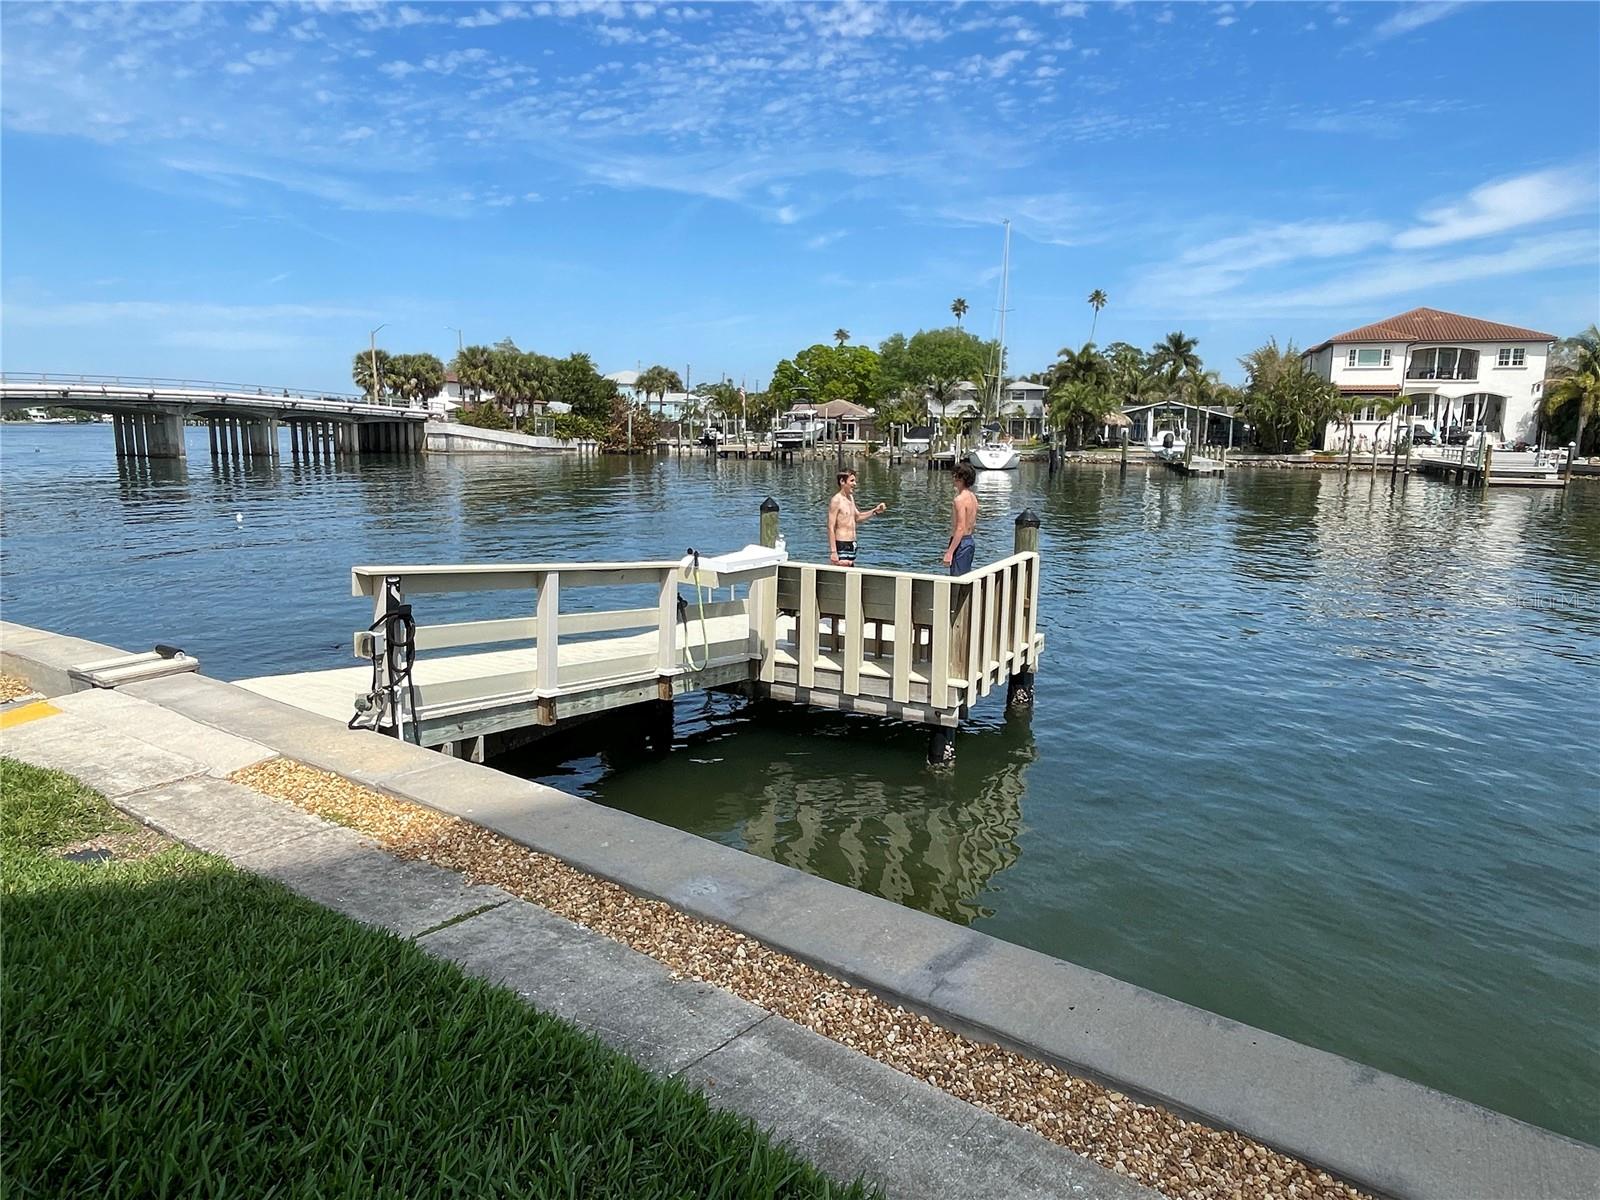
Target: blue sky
242, 191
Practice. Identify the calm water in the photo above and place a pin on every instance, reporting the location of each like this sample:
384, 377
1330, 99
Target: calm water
1315, 753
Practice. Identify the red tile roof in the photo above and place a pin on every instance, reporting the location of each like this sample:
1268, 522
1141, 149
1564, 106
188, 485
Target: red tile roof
1432, 325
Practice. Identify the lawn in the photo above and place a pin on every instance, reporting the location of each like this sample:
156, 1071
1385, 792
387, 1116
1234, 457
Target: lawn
172, 1025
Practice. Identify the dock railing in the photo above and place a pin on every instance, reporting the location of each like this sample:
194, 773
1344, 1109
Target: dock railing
910, 638
552, 674
914, 645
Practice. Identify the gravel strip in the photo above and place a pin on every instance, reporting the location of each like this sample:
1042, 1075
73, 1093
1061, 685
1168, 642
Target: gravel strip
1183, 1159
14, 688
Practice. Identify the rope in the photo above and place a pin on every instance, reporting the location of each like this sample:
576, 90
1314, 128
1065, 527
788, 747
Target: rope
700, 602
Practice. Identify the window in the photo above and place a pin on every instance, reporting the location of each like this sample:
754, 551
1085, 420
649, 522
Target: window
1511, 356
1367, 357
1446, 362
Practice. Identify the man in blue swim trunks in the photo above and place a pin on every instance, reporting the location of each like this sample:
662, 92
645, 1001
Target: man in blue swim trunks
963, 521
842, 517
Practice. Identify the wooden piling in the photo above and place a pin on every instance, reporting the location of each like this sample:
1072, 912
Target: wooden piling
769, 522
1124, 439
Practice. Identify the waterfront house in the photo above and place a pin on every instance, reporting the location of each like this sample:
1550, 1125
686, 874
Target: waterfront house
627, 384
1458, 373
1022, 405
444, 405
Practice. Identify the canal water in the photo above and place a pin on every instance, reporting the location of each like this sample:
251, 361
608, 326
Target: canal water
1318, 753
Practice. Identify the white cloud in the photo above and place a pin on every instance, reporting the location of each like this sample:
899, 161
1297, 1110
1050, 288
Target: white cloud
263, 21
1411, 275
823, 240
1413, 16
1502, 205
787, 215
117, 312
359, 134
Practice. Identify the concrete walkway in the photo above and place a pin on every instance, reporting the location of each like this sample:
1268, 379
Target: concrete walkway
841, 1110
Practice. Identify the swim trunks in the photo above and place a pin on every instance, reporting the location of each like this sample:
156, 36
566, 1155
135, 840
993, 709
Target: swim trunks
846, 552
961, 560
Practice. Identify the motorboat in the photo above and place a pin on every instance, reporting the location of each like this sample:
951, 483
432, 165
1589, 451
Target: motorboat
917, 440
1167, 442
802, 431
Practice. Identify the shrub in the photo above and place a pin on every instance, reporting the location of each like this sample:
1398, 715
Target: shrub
485, 414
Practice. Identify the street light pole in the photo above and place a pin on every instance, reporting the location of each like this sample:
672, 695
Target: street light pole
457, 332
372, 344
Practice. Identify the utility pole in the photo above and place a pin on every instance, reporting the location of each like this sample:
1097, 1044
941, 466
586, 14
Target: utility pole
372, 346
457, 332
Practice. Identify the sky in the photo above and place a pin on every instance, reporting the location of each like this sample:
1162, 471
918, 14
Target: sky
241, 192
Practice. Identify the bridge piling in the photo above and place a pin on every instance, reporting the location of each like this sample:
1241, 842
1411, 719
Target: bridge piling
116, 431
141, 436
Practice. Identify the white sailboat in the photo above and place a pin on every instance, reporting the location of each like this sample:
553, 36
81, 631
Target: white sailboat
995, 452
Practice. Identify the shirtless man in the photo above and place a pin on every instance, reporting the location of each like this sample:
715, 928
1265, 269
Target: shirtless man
842, 517
963, 522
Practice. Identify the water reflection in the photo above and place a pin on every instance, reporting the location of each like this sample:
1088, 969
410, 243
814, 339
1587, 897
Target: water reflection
846, 799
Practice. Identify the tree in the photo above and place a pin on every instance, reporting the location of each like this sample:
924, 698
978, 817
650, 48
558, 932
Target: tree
933, 361
578, 384
657, 381
361, 372
958, 306
841, 336
1097, 301
1284, 399
1173, 357
821, 373
474, 368
1078, 403
1572, 393
417, 378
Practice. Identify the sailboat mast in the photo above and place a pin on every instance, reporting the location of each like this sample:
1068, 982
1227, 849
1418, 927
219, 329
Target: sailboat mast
1005, 286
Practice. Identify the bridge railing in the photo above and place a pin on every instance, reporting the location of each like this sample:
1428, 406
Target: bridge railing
157, 383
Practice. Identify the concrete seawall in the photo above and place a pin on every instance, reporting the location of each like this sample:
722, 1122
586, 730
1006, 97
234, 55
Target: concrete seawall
449, 437
1383, 1133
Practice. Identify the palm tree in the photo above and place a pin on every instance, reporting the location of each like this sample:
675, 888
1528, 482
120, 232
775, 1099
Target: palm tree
1174, 357
959, 307
1574, 388
841, 336
474, 368
1097, 301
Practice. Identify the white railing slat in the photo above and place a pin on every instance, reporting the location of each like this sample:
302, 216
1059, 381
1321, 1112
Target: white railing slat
939, 663
805, 633
548, 617
905, 640
854, 644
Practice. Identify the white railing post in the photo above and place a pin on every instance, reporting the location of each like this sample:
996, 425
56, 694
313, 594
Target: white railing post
853, 633
905, 640
939, 651
667, 625
806, 628
548, 620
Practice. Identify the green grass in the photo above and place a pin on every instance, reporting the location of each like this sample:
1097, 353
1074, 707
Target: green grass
172, 1025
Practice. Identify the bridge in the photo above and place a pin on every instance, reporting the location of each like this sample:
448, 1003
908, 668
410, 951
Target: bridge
149, 414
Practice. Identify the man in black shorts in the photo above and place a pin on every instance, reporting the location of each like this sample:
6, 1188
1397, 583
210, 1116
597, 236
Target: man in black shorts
842, 518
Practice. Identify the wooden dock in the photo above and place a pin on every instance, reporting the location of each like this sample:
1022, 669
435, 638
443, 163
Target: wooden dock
1490, 468
908, 645
1196, 466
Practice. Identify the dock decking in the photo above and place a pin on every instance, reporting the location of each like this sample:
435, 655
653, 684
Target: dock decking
913, 646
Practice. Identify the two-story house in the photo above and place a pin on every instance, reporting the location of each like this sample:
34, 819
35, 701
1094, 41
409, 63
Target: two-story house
1458, 373
1022, 407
